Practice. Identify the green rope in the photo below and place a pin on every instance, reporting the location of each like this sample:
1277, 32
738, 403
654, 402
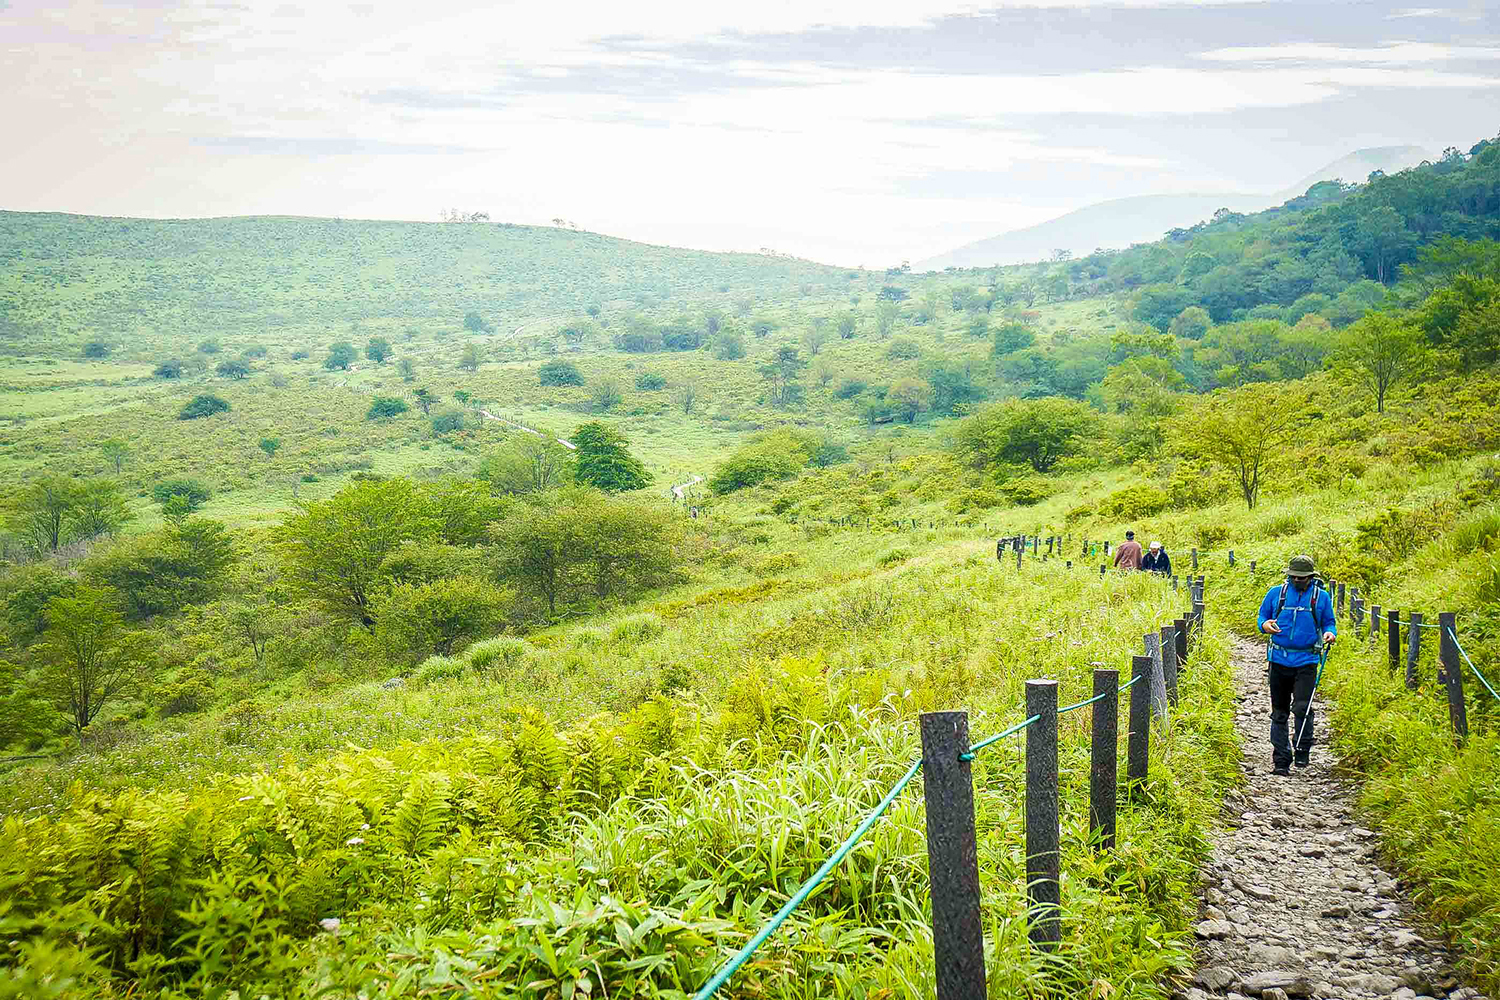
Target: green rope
997, 737
1470, 662
733, 965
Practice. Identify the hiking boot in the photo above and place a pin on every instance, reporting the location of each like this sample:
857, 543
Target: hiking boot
1302, 758
1281, 770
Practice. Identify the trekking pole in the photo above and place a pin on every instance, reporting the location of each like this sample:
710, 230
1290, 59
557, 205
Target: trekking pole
1318, 679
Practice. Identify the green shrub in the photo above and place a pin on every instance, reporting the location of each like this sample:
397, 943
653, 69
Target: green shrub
1211, 536
635, 629
650, 381
1133, 502
192, 692
1026, 491
903, 349
192, 491
385, 407
776, 562
496, 655
850, 387
894, 557
449, 420
205, 405
439, 668
1479, 533
1281, 526
559, 373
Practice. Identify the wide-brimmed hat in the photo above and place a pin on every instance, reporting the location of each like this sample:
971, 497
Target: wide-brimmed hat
1301, 566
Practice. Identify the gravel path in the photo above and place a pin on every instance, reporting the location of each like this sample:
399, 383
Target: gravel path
1297, 904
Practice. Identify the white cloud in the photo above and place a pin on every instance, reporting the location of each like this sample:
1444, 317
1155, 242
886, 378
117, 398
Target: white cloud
1392, 53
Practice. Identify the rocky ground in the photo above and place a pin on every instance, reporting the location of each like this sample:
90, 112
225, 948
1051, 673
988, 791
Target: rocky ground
1296, 903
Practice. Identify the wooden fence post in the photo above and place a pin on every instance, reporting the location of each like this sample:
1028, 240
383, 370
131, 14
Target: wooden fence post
952, 857
1393, 638
1158, 679
1341, 599
1375, 622
1137, 754
1174, 583
1018, 557
1452, 676
1413, 647
1182, 644
1104, 757
1195, 560
1070, 564
1169, 662
1043, 866
1102, 569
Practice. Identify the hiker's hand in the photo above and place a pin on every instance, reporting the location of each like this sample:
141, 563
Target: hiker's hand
1271, 627
1328, 638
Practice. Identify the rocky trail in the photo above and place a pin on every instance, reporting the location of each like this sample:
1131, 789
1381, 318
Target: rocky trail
1296, 903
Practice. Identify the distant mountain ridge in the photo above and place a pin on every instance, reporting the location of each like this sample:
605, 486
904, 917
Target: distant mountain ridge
1123, 221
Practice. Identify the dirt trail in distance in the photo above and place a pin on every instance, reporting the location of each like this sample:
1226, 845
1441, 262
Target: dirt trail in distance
1296, 903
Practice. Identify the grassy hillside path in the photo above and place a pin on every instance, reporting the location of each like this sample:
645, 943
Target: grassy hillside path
1296, 903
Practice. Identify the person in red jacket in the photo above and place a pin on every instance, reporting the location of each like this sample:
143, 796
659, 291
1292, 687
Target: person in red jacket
1128, 555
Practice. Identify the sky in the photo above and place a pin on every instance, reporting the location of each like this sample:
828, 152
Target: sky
854, 133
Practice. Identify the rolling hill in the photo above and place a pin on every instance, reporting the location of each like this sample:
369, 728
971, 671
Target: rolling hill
1123, 221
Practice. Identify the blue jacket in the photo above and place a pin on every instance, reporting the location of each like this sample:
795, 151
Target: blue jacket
1156, 562
1302, 624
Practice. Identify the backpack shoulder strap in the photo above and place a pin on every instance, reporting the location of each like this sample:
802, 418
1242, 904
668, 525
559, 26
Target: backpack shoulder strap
1281, 602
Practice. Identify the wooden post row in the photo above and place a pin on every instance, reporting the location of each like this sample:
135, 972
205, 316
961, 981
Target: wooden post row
1413, 648
1169, 662
1158, 679
1393, 638
1043, 861
1137, 756
1451, 674
1104, 757
952, 857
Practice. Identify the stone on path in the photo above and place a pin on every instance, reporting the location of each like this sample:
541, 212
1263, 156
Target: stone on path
1295, 899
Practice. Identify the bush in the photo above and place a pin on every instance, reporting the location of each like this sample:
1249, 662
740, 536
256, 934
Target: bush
849, 388
209, 347
1141, 500
448, 421
903, 349
205, 405
650, 381
193, 692
894, 557
559, 373
1480, 533
635, 629
96, 349
191, 490
439, 668
170, 368
299, 355
775, 456
1280, 526
385, 407
1210, 536
495, 655
1026, 491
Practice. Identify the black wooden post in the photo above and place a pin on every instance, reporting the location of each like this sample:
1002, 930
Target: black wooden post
1104, 757
1174, 583
1070, 564
1195, 560
1158, 677
1359, 614
1018, 557
1375, 622
1231, 557
1393, 638
1043, 867
1182, 645
952, 857
1169, 662
1137, 755
1106, 546
1452, 675
1413, 647
1102, 569
1252, 565
1341, 599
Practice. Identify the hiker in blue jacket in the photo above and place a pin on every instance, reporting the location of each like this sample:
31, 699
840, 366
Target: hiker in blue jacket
1298, 616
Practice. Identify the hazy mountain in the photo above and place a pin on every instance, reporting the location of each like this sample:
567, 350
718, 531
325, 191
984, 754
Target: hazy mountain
1123, 221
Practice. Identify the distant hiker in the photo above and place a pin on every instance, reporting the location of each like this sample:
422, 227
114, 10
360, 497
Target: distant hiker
1156, 560
1128, 555
1298, 616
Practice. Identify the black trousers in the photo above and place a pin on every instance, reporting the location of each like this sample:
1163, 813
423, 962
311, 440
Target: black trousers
1291, 695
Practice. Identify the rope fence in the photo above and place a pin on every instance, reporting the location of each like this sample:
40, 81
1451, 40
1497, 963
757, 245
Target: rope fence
948, 787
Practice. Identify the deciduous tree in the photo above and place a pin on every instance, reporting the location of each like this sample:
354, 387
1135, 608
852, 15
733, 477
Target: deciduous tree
603, 461
1378, 353
89, 657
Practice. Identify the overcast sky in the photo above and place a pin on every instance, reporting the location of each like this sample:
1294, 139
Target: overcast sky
848, 131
